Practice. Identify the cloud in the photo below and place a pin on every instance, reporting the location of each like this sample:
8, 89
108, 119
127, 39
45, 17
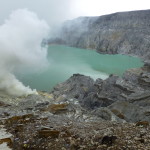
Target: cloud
20, 49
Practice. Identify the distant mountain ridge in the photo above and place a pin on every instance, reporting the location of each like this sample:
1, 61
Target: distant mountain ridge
122, 32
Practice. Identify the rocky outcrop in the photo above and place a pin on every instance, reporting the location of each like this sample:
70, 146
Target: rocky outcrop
112, 113
126, 98
123, 32
61, 119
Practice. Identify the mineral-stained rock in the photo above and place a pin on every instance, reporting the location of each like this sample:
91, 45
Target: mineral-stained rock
5, 138
20, 119
45, 133
57, 108
142, 123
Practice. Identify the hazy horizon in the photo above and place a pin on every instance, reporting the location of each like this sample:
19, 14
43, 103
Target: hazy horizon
55, 11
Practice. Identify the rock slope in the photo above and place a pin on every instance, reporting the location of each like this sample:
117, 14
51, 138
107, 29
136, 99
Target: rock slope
81, 114
60, 121
122, 32
124, 98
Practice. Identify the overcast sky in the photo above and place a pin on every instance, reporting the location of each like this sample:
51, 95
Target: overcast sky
55, 11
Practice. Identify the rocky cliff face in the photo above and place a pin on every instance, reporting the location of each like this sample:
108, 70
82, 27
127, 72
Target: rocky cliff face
124, 98
81, 114
123, 32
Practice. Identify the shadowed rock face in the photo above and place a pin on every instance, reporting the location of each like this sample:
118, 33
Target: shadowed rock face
123, 98
81, 111
123, 32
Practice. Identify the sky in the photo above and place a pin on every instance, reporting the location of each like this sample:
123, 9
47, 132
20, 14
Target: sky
56, 11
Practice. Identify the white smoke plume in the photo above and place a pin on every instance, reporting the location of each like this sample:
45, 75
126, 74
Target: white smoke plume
20, 49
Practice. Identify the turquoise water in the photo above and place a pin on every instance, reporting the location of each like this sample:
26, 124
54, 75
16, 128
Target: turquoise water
65, 61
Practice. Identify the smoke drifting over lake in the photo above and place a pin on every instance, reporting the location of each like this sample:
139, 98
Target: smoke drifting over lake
20, 48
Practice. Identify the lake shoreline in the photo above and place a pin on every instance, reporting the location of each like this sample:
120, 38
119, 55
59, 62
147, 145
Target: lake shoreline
65, 61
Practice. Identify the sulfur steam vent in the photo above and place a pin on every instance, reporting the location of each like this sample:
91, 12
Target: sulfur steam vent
20, 49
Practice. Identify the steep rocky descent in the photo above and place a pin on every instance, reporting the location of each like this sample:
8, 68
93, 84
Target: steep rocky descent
123, 32
81, 114
64, 124
125, 97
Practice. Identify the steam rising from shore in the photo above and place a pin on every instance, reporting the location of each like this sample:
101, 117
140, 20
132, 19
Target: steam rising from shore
20, 49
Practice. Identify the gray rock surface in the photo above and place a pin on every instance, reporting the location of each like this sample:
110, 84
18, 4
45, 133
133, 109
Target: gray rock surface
122, 32
79, 98
80, 111
126, 98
